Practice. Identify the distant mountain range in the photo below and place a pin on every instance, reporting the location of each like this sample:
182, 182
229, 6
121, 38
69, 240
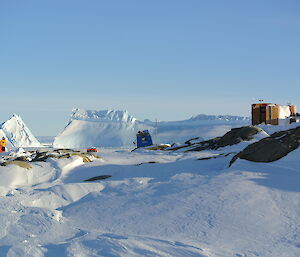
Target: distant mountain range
218, 117
204, 117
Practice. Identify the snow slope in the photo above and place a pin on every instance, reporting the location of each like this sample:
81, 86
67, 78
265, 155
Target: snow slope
156, 203
17, 133
118, 128
203, 126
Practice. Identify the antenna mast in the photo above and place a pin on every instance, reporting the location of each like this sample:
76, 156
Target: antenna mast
155, 130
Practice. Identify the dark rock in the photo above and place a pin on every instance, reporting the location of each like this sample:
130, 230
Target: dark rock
216, 156
271, 148
146, 162
40, 157
189, 141
97, 178
21, 158
232, 137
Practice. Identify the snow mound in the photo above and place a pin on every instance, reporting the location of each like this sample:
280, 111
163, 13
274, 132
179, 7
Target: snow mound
17, 133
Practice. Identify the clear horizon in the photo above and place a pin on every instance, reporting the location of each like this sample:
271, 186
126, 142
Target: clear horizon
168, 60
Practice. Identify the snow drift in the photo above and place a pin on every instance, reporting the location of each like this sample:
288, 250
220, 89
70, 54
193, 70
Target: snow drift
17, 133
156, 203
118, 128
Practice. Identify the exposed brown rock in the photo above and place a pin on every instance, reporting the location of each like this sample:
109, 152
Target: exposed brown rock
22, 164
43, 155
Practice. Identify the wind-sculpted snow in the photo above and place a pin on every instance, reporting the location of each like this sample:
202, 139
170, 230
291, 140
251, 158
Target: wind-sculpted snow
156, 203
17, 133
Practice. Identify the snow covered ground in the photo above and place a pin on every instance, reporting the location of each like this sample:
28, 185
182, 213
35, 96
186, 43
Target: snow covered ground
156, 203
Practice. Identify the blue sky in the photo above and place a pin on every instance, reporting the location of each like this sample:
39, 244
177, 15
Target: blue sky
165, 59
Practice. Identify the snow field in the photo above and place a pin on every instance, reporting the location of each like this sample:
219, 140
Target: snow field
176, 205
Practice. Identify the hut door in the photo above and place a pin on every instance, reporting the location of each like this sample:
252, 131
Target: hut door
263, 114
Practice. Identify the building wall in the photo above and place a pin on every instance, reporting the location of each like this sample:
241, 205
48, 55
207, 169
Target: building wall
274, 115
257, 116
293, 109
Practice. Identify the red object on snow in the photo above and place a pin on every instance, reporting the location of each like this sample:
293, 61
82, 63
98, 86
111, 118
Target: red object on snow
95, 150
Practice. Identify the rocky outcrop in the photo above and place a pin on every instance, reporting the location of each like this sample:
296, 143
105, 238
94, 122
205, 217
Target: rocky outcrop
271, 148
232, 137
23, 158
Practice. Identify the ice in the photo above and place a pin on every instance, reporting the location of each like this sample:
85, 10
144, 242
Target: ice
17, 133
98, 128
111, 128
